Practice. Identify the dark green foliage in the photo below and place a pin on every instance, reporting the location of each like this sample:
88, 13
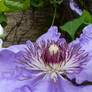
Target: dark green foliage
72, 26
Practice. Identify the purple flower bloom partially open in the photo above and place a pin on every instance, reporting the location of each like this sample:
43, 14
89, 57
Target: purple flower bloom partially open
75, 7
43, 66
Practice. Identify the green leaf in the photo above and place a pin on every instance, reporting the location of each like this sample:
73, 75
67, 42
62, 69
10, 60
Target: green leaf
13, 5
3, 35
54, 2
82, 2
4, 24
59, 1
72, 26
3, 18
88, 18
3, 7
18, 4
37, 3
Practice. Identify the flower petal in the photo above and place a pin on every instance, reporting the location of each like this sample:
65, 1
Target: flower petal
51, 35
8, 65
9, 73
62, 85
75, 7
86, 74
85, 42
41, 87
86, 89
17, 48
7, 61
14, 86
69, 87
24, 88
46, 85
86, 39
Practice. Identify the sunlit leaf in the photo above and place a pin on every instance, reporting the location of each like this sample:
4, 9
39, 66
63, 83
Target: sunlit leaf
13, 5
3, 7
18, 4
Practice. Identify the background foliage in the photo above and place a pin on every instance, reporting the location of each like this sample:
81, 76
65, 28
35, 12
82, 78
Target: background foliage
57, 16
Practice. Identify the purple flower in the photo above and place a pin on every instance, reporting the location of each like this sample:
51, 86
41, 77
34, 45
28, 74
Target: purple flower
75, 7
47, 65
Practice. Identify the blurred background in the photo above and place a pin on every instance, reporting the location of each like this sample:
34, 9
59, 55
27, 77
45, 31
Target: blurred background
29, 24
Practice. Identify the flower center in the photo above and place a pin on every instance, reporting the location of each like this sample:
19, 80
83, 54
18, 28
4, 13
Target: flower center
53, 54
53, 49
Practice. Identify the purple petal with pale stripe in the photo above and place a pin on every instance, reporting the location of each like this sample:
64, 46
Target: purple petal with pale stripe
75, 7
85, 42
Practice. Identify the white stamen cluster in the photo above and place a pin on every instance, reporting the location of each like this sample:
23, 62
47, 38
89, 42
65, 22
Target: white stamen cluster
53, 49
74, 58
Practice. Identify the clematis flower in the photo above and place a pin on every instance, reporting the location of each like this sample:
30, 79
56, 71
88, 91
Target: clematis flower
75, 7
47, 65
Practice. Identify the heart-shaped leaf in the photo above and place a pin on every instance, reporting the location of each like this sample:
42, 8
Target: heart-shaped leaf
72, 26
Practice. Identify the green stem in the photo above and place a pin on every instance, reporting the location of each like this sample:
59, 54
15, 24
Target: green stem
54, 16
